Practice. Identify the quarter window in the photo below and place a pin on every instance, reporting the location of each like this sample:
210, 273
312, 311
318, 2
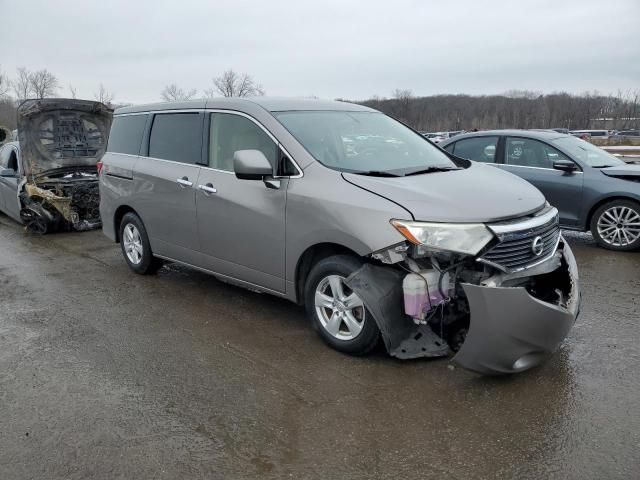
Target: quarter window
230, 133
126, 134
8, 158
528, 152
480, 149
177, 137
5, 152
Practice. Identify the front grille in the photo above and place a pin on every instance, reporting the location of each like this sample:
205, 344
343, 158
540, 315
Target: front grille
515, 250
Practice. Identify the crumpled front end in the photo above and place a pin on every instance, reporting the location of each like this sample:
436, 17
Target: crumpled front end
510, 329
61, 141
504, 310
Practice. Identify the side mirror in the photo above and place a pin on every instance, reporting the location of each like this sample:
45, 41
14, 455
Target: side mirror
565, 165
251, 165
8, 172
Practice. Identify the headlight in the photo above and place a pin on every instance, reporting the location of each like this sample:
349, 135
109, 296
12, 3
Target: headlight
467, 238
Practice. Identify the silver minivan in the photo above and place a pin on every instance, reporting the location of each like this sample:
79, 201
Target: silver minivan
379, 233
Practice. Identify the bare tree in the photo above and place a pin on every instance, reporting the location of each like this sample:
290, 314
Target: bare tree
173, 93
8, 112
104, 96
22, 84
43, 83
5, 85
233, 84
402, 99
72, 91
402, 94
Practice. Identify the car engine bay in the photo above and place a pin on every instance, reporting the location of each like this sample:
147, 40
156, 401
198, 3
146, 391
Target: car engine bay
70, 201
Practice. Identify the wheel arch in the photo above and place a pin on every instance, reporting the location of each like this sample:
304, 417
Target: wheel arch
310, 257
119, 214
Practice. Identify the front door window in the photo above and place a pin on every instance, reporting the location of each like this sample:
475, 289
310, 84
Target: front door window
527, 152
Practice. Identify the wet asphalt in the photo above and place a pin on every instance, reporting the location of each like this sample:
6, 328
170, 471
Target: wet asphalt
106, 374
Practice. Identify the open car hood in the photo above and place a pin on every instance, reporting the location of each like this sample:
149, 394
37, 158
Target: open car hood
480, 193
57, 133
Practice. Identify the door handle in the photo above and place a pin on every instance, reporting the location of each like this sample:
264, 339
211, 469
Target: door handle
208, 189
184, 182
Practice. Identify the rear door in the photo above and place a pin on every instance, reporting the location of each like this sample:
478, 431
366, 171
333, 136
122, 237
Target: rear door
165, 179
9, 202
533, 160
241, 222
4, 158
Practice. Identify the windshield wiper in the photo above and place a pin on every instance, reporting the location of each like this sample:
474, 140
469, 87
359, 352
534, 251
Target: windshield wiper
431, 170
377, 173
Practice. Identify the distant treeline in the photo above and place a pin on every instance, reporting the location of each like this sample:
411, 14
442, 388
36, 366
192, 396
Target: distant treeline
517, 109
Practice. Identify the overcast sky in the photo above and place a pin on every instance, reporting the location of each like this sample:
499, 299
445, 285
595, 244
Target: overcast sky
327, 48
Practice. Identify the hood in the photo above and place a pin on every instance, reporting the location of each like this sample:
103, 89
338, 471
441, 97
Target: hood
626, 172
480, 193
58, 133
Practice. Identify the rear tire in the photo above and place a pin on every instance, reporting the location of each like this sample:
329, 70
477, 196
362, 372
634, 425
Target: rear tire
616, 225
337, 313
135, 246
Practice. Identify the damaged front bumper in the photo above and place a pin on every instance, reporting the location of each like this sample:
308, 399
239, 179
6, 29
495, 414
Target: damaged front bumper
508, 329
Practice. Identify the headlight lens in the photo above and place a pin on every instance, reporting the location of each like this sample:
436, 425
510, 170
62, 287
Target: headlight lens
468, 238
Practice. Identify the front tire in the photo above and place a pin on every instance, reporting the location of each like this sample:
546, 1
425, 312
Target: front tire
135, 246
616, 225
338, 314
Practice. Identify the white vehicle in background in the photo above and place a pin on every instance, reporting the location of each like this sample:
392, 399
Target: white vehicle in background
437, 137
604, 134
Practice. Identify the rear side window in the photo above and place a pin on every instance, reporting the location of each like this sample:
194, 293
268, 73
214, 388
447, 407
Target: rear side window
177, 137
126, 134
480, 149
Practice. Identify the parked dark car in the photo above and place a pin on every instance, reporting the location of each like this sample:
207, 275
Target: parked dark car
592, 189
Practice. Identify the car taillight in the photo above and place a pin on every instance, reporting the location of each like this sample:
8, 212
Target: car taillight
99, 166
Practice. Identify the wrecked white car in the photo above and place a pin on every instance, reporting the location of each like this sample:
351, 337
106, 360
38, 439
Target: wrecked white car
48, 178
379, 233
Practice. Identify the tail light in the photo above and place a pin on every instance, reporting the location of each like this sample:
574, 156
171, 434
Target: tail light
99, 167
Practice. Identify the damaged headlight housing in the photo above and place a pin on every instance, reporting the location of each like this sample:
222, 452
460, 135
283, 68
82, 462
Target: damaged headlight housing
466, 238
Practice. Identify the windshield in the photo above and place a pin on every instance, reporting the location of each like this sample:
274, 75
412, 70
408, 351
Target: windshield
587, 152
363, 142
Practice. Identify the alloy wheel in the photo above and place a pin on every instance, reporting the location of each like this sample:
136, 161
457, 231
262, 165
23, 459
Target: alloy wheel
619, 226
132, 243
340, 310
